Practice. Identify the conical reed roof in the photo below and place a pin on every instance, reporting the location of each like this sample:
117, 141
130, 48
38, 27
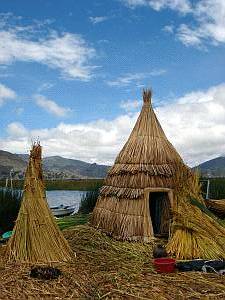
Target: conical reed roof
147, 159
36, 237
148, 143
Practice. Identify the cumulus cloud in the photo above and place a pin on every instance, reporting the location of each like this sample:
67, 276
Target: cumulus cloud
51, 106
207, 26
6, 94
16, 130
69, 53
97, 141
210, 27
194, 123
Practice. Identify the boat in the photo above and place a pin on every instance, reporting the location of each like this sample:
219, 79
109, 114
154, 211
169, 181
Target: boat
62, 210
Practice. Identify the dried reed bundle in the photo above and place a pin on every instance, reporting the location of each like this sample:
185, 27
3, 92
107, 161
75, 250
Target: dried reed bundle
36, 237
216, 206
194, 234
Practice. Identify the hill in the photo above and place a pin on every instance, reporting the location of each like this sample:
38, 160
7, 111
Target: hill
213, 168
72, 167
53, 166
9, 161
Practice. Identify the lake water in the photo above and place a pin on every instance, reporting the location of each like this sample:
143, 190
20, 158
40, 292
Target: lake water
58, 197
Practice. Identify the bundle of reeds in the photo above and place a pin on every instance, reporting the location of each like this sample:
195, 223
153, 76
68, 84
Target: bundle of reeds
216, 206
36, 237
195, 233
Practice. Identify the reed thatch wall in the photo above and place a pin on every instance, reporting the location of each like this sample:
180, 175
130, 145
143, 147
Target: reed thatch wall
125, 219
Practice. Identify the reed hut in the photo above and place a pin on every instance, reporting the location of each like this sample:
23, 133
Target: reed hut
36, 237
147, 193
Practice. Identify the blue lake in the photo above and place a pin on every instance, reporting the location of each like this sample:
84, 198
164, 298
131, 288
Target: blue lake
58, 197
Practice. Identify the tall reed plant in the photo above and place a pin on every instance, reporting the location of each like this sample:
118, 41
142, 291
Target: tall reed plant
89, 199
10, 201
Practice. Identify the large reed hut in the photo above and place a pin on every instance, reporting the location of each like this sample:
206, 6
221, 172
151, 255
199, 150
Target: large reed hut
136, 200
36, 237
148, 192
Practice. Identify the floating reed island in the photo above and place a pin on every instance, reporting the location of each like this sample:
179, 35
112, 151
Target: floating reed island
36, 237
150, 192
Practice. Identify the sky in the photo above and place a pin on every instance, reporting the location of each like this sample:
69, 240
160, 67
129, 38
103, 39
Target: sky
72, 74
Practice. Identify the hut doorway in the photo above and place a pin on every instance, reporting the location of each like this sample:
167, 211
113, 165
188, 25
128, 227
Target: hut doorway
160, 213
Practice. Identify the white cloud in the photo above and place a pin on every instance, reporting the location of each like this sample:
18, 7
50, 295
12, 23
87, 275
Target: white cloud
188, 36
134, 78
130, 105
16, 130
51, 106
194, 123
6, 94
97, 141
182, 6
208, 25
69, 53
168, 28
99, 19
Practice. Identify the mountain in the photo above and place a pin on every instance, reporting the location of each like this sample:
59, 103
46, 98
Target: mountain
53, 167
9, 161
74, 167
60, 167
213, 168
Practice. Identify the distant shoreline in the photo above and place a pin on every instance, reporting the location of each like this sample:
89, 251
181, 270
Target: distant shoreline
61, 184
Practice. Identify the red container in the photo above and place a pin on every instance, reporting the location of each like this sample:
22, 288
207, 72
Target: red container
164, 265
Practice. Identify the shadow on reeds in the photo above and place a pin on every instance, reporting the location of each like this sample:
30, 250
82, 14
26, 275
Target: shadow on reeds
10, 201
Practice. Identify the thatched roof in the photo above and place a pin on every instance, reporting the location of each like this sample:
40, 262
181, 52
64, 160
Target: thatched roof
147, 159
36, 237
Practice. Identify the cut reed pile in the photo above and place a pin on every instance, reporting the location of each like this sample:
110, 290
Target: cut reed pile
36, 237
108, 269
195, 233
216, 206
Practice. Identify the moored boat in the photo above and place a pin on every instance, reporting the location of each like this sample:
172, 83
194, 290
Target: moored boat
62, 210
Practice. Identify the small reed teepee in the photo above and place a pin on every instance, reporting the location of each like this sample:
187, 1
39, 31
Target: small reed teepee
36, 237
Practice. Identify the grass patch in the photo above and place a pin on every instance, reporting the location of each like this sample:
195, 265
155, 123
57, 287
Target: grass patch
70, 221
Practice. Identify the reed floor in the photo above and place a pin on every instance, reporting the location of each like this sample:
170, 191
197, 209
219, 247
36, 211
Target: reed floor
107, 269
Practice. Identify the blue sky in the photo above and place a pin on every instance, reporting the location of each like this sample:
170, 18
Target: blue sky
72, 73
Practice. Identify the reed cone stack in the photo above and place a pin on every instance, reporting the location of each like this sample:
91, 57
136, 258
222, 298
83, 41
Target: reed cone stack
36, 237
148, 161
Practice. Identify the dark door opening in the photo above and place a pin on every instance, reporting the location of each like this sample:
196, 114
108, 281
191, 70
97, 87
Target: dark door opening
160, 212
